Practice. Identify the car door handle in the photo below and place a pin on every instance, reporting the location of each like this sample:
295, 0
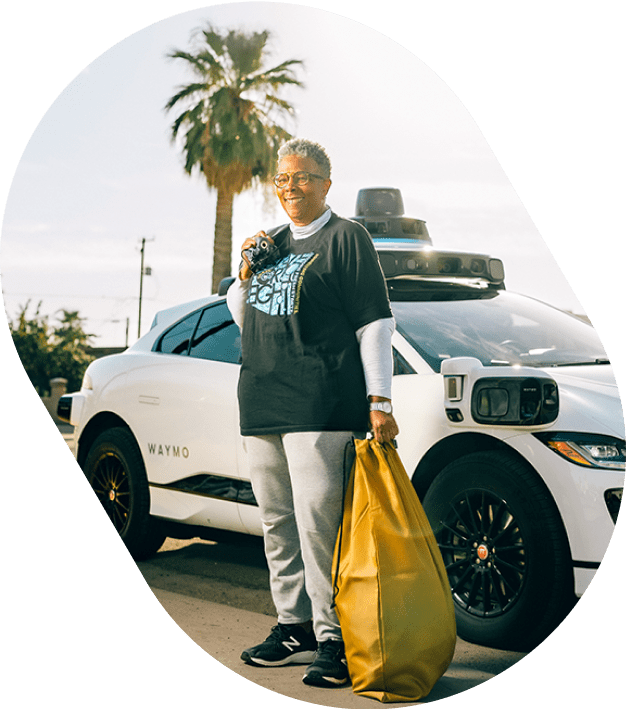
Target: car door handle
154, 400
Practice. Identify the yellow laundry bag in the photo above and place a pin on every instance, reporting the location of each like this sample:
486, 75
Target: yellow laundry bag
392, 594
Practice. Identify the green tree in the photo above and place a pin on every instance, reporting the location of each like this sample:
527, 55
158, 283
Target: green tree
31, 336
48, 351
231, 120
70, 349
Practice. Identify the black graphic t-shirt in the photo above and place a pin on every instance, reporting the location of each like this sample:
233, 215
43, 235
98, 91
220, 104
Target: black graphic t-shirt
301, 366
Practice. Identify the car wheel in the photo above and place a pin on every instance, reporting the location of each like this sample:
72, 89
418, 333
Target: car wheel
115, 470
504, 548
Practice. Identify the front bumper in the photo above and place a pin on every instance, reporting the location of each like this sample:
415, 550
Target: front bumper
588, 501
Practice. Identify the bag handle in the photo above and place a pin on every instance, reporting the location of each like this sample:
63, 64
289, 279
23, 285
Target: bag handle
349, 449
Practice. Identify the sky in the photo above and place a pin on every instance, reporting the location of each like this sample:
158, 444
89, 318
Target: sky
100, 173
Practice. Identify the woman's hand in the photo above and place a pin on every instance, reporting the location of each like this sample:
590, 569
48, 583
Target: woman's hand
383, 426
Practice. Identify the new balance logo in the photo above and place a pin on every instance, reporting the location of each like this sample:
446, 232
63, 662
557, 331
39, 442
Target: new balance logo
291, 644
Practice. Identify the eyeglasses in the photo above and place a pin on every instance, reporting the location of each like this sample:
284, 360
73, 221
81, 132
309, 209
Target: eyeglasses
299, 178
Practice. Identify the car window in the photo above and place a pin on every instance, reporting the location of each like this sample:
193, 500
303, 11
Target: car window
176, 339
500, 329
217, 337
400, 365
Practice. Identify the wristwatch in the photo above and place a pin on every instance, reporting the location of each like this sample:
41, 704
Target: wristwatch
384, 406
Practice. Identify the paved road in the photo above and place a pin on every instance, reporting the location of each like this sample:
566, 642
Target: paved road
218, 594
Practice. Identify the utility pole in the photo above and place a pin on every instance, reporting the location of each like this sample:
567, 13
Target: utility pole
144, 271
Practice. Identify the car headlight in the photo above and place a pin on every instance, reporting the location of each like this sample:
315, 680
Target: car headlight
587, 449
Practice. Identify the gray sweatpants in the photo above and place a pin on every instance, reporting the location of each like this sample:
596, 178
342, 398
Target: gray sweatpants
297, 479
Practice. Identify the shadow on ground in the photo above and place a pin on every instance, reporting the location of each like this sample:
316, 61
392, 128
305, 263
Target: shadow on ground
186, 573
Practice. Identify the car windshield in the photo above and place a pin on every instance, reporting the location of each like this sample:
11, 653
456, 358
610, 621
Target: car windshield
498, 328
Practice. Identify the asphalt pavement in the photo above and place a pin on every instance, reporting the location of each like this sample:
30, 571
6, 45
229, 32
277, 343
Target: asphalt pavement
224, 632
218, 594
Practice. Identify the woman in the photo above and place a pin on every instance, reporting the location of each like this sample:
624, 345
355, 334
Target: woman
316, 371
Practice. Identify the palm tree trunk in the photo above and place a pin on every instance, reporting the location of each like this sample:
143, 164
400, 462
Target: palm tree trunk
222, 246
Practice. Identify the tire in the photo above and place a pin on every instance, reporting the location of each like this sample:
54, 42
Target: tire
504, 548
115, 470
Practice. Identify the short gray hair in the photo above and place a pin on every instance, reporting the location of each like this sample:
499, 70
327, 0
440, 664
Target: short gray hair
307, 149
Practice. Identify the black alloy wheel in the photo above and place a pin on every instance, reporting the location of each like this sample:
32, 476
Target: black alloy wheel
504, 547
484, 553
115, 470
112, 487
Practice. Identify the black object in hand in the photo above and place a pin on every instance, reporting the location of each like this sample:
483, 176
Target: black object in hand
263, 254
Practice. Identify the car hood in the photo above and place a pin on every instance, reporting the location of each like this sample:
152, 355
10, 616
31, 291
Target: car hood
589, 399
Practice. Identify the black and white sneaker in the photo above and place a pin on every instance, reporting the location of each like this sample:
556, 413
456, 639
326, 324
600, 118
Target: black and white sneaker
329, 668
285, 645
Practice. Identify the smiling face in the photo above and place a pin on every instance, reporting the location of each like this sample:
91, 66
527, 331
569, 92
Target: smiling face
304, 203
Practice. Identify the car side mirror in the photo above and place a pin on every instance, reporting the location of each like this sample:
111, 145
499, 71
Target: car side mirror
224, 285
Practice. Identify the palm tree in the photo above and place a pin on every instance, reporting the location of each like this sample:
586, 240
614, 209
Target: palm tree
230, 121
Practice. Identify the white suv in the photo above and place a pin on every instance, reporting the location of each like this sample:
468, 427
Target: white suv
511, 430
